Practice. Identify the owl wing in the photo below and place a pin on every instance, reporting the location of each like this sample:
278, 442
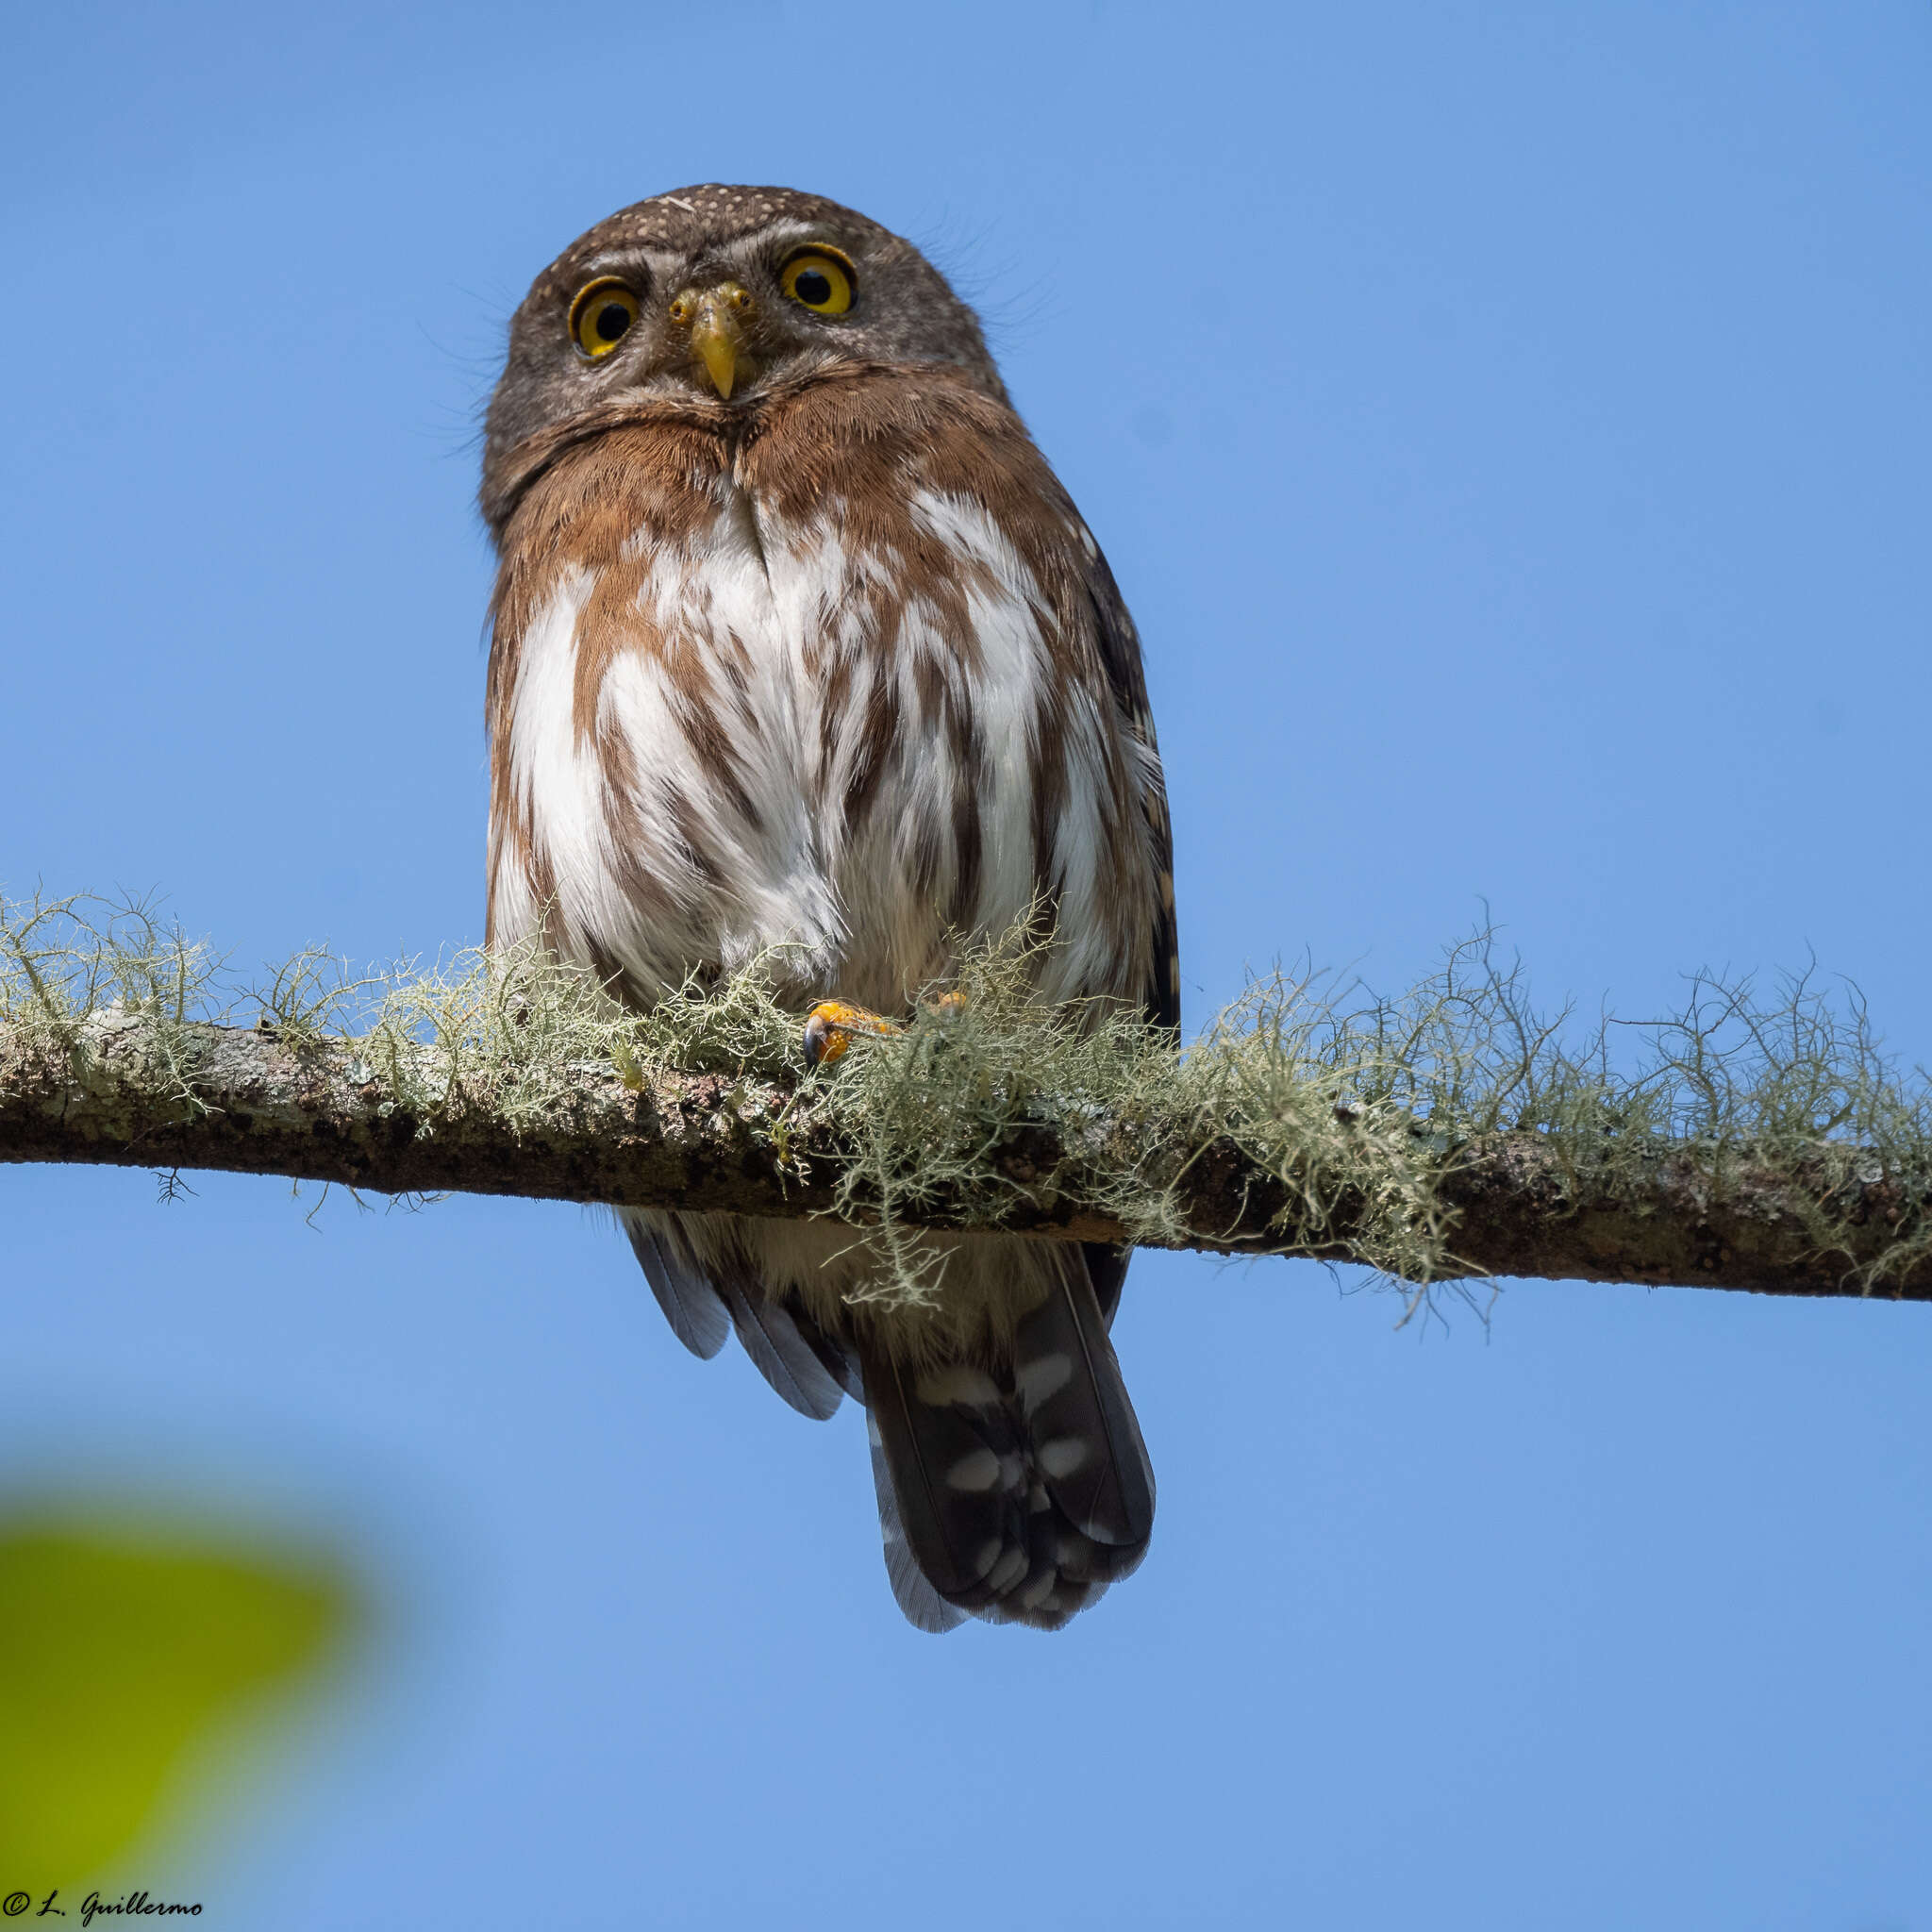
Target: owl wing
704, 1302
1119, 646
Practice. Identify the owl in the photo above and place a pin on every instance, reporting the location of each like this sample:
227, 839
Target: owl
797, 642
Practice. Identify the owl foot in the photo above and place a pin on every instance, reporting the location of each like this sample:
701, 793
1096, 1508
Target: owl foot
831, 1025
829, 1028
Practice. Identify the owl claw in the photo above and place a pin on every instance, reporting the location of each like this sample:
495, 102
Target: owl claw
831, 1025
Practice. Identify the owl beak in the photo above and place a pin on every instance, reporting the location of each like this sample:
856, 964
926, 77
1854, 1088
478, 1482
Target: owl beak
717, 337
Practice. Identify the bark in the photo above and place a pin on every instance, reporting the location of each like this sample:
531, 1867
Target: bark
249, 1101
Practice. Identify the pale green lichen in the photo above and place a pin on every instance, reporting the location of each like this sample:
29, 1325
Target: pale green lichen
1349, 1096
1358, 1105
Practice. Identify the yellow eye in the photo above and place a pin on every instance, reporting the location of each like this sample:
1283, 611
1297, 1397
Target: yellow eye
601, 316
820, 279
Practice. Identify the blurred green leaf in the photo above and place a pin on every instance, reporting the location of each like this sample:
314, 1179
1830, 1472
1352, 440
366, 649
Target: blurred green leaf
123, 1655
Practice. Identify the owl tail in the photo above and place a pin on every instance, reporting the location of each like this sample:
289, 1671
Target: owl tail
1019, 1491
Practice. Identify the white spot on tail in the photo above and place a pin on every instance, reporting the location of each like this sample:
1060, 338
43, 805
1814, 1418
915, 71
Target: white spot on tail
1008, 1571
1063, 1455
979, 1471
1044, 1377
972, 1387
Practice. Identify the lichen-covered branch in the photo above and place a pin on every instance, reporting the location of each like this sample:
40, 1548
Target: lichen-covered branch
253, 1105
1442, 1136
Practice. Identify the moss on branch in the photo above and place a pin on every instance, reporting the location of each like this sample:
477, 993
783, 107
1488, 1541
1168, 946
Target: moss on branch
1441, 1137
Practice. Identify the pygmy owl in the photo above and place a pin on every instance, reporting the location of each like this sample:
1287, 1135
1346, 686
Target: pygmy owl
797, 640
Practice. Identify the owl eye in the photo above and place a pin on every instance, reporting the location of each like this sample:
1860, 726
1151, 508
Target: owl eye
820, 279
601, 316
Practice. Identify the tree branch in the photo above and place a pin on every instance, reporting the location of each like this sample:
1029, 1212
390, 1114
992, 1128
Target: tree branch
125, 1089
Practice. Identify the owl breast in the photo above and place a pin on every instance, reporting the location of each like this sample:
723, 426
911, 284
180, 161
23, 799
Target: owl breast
729, 718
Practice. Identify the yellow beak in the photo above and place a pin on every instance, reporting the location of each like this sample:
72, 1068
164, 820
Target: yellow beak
717, 339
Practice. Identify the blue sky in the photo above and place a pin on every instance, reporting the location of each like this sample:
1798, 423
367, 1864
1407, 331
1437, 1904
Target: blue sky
1512, 427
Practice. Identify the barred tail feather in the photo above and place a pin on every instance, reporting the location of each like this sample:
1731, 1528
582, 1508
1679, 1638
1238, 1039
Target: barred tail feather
1085, 1437
1017, 1492
957, 1478
924, 1607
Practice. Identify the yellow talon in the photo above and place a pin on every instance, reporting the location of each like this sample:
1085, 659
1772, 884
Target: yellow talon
831, 1025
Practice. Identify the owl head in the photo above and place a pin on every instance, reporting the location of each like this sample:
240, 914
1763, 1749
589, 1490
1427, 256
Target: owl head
722, 293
